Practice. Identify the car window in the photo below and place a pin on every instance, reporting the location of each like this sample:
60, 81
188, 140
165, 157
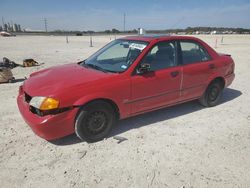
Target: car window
117, 51
193, 52
154, 50
161, 56
116, 56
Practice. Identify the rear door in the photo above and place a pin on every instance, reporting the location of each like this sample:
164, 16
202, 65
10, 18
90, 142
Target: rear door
197, 66
161, 85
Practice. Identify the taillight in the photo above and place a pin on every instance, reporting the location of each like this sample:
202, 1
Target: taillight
231, 69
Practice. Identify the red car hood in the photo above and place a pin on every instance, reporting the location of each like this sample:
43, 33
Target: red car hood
49, 82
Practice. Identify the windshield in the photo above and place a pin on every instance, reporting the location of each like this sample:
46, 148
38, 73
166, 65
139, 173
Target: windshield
116, 56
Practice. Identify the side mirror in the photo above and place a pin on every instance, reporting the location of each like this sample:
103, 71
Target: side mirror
145, 67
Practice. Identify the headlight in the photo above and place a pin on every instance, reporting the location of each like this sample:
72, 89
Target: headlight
44, 103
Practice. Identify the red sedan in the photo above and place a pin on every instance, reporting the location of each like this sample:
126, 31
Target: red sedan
129, 76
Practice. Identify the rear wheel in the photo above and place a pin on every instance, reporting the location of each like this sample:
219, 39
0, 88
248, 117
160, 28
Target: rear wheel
212, 95
95, 121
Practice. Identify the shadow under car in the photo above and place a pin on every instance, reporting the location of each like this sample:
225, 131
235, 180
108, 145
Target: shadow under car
153, 117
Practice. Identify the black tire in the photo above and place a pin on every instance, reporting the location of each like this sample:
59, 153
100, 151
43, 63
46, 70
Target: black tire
212, 95
95, 121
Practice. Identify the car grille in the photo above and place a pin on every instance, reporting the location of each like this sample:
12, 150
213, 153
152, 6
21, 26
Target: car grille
27, 97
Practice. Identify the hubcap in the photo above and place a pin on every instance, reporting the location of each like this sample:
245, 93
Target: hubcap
96, 122
213, 94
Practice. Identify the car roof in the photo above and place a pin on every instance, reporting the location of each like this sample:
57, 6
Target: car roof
152, 37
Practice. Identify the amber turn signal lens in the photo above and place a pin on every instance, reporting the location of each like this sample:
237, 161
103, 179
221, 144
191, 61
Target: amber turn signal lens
49, 104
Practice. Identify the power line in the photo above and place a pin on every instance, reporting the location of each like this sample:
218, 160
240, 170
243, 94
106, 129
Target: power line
178, 22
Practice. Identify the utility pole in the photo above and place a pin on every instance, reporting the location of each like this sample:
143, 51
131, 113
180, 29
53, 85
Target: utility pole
45, 25
67, 39
90, 40
124, 22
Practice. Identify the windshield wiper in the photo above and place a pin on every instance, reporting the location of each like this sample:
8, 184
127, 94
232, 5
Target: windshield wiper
95, 67
113, 71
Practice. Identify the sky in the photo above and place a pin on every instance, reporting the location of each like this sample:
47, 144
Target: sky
107, 14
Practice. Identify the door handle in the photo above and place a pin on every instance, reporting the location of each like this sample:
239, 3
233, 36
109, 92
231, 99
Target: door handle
174, 73
211, 66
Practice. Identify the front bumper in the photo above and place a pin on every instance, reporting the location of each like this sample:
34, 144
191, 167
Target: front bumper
49, 127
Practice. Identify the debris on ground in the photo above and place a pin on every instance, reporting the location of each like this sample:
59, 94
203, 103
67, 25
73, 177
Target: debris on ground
30, 63
120, 139
82, 154
26, 63
6, 75
8, 63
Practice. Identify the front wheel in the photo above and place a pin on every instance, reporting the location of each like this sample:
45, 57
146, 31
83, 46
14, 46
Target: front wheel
95, 121
212, 95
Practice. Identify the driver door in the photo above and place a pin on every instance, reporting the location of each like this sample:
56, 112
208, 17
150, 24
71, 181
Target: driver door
160, 86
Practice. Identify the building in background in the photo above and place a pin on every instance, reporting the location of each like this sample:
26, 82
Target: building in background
19, 29
10, 27
5, 27
15, 28
141, 31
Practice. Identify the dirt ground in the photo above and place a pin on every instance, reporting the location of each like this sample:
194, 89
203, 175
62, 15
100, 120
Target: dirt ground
181, 146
